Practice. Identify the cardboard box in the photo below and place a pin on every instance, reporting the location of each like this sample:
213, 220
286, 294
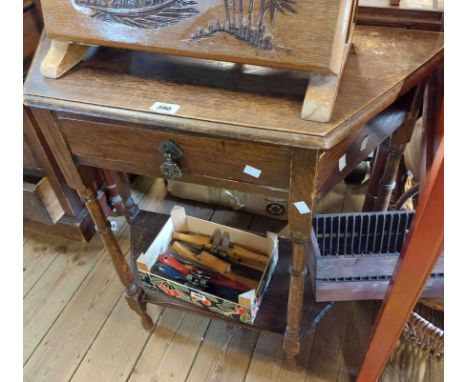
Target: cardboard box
245, 309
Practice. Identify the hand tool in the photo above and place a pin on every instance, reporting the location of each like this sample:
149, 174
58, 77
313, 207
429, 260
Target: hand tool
185, 269
197, 280
238, 268
213, 262
220, 242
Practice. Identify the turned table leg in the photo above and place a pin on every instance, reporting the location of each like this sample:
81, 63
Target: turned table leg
113, 192
378, 168
123, 185
302, 192
118, 188
133, 294
398, 142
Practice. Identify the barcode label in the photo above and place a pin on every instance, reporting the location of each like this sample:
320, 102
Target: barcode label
164, 108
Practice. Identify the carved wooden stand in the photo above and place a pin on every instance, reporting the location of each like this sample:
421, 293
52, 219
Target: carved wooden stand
62, 57
317, 106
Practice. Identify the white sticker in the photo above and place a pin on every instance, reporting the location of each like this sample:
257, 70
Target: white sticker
342, 163
302, 207
364, 142
165, 108
252, 171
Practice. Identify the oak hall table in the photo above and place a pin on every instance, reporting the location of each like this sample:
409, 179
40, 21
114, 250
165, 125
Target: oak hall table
107, 113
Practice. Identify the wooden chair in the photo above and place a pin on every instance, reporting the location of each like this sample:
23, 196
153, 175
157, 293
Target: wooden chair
416, 262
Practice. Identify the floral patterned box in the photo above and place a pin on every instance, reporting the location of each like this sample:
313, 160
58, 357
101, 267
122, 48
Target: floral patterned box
245, 309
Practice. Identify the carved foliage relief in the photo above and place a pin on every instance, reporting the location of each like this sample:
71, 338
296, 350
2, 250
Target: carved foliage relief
249, 21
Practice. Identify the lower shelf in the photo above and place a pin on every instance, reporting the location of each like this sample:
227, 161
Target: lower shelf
273, 309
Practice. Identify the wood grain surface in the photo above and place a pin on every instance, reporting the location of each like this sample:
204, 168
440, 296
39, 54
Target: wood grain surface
302, 35
57, 282
245, 102
117, 142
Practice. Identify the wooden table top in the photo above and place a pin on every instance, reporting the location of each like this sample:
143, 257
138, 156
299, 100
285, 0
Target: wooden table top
241, 102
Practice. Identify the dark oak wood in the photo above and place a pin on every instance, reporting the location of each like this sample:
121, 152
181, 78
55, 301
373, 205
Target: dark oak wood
116, 142
123, 186
73, 226
302, 189
218, 99
32, 27
116, 200
395, 152
414, 14
79, 228
378, 167
357, 147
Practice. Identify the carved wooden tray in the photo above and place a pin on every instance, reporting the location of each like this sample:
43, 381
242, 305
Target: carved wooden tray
309, 35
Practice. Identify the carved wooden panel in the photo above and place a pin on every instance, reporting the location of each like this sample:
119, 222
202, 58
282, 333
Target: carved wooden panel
294, 34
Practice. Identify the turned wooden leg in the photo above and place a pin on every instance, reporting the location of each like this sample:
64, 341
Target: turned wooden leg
135, 300
133, 294
398, 142
297, 272
114, 195
61, 57
302, 192
387, 183
378, 168
123, 185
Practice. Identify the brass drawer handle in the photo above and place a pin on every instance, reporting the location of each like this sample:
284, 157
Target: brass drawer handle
171, 152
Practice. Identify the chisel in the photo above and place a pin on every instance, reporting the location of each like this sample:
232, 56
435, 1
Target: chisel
208, 260
234, 252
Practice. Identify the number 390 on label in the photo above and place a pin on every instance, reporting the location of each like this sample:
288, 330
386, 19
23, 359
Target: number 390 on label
164, 108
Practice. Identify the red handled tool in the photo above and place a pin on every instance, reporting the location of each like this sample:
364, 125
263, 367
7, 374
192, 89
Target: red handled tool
186, 270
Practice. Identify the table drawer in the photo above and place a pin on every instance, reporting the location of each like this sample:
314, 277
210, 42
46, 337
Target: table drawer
136, 148
39, 201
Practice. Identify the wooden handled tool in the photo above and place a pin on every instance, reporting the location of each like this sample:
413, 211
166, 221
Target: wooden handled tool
233, 251
199, 240
203, 258
208, 260
246, 254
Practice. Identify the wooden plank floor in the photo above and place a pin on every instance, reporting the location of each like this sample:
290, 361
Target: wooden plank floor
77, 326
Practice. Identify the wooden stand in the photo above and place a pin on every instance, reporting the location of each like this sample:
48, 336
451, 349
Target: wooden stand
321, 93
312, 37
61, 57
319, 98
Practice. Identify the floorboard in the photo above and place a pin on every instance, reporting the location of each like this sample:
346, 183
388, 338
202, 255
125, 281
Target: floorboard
38, 254
77, 326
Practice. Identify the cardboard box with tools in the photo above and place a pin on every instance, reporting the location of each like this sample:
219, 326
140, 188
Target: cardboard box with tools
218, 268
